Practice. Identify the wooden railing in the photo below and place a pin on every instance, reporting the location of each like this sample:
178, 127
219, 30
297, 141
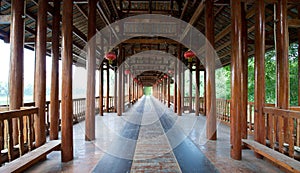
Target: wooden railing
279, 138
25, 128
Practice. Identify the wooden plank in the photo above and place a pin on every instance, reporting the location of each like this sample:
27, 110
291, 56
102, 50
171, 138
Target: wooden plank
54, 95
29, 159
66, 99
280, 159
236, 70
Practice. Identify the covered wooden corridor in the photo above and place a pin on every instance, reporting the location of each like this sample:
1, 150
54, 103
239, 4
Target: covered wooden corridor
148, 46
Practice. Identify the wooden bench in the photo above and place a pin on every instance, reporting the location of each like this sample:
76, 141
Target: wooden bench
278, 158
30, 158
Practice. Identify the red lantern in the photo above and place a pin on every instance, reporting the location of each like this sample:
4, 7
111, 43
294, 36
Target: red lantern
110, 56
189, 55
170, 71
135, 80
165, 76
127, 71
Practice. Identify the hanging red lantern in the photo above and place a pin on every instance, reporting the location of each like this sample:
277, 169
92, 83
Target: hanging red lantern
189, 55
135, 80
127, 71
165, 76
110, 56
170, 71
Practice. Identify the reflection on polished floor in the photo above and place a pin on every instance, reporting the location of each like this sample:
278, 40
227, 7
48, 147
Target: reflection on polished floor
149, 137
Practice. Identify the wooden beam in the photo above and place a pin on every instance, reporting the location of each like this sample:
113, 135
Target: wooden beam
236, 70
54, 95
294, 23
91, 67
259, 93
186, 5
66, 99
193, 19
149, 41
211, 116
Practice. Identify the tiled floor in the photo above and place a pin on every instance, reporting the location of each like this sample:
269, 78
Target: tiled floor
153, 151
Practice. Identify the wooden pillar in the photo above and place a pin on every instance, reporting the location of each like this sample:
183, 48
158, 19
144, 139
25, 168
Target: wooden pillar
197, 103
40, 74
236, 70
298, 58
107, 88
91, 67
179, 75
129, 89
259, 93
282, 43
54, 99
165, 90
169, 95
119, 102
204, 93
182, 86
116, 89
66, 99
244, 82
282, 55
190, 89
123, 80
175, 86
101, 72
16, 71
133, 92
211, 127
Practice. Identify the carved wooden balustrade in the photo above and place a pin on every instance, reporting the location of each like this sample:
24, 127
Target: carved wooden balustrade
282, 130
25, 118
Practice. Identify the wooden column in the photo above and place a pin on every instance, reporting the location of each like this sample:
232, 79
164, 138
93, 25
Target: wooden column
179, 75
175, 86
119, 102
165, 90
197, 96
244, 82
182, 86
236, 70
282, 55
54, 99
123, 80
169, 95
40, 74
259, 93
16, 70
116, 89
66, 99
204, 93
282, 43
298, 58
190, 89
211, 127
91, 67
107, 88
101, 72
129, 89
133, 92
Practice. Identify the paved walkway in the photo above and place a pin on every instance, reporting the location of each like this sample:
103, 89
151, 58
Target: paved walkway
149, 137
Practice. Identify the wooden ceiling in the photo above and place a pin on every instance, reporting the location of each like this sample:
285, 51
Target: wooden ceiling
190, 11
